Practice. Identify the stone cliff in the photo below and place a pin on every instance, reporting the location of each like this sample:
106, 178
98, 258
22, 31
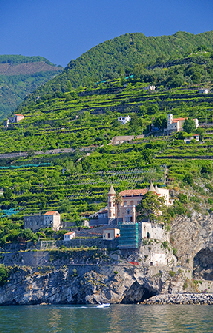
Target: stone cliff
87, 284
193, 239
77, 276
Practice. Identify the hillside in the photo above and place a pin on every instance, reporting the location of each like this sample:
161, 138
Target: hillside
26, 68
70, 148
63, 157
64, 154
120, 56
19, 76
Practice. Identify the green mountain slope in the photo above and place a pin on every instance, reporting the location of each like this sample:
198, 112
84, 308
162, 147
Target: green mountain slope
121, 54
19, 76
61, 153
61, 156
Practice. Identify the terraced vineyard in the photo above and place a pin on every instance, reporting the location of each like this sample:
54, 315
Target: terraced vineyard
65, 160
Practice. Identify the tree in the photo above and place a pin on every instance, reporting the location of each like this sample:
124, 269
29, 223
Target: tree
188, 178
160, 122
151, 206
189, 126
139, 70
180, 135
117, 201
8, 193
175, 80
153, 109
201, 132
136, 124
147, 155
142, 110
4, 274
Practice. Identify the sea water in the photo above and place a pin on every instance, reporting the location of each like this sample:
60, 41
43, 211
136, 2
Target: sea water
116, 318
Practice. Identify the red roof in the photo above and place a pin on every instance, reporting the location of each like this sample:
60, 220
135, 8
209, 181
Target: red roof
70, 233
54, 212
18, 114
138, 192
178, 119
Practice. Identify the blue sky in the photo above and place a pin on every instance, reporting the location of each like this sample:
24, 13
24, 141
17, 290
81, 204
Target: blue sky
61, 30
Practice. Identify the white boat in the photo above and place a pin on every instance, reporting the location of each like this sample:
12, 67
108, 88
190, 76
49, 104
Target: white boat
103, 305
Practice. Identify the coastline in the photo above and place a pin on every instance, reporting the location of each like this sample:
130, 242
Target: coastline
186, 298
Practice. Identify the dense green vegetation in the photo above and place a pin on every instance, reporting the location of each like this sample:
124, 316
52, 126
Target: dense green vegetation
150, 205
19, 76
74, 182
122, 55
4, 274
65, 160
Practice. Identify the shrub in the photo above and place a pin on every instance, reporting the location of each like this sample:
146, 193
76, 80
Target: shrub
209, 187
4, 274
188, 178
165, 245
210, 201
183, 198
174, 251
185, 285
194, 199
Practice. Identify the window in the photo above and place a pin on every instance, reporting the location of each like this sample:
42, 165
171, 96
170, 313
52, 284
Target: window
108, 235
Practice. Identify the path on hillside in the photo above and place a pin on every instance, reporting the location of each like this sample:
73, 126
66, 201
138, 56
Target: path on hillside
47, 152
89, 149
207, 157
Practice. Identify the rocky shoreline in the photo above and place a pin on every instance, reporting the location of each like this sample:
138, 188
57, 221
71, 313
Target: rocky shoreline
189, 298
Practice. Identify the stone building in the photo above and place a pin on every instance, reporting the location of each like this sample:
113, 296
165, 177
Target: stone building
150, 230
51, 219
111, 233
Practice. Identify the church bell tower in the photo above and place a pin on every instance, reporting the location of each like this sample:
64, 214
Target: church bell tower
111, 203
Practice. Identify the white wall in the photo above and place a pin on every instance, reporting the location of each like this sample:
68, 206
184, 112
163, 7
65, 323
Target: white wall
154, 231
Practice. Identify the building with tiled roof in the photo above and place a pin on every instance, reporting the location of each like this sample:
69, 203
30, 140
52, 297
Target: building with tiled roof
16, 118
137, 192
123, 207
51, 219
53, 212
176, 124
69, 235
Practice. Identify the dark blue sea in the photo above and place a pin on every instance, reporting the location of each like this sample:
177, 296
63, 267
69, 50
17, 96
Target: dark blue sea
116, 318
